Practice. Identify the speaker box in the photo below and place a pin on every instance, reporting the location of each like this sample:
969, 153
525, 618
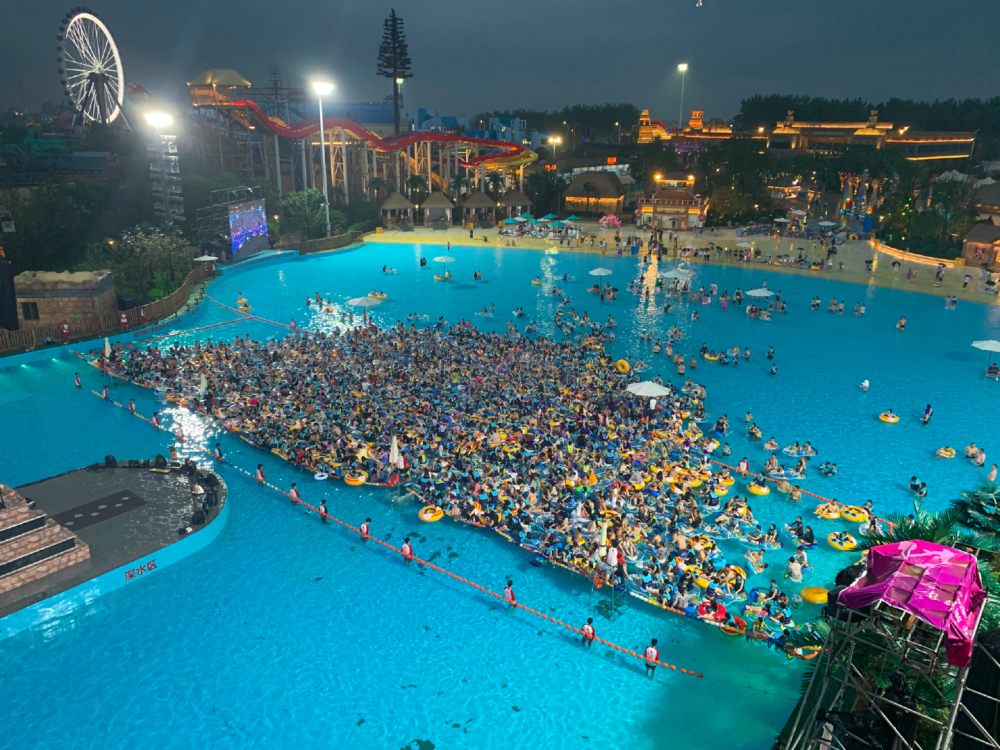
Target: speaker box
198, 518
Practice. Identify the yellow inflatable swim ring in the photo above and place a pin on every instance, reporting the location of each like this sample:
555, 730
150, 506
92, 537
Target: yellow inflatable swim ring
890, 418
328, 309
814, 594
846, 546
712, 358
756, 489
438, 277
623, 366
946, 452
376, 295
854, 513
431, 513
356, 479
728, 481
536, 282
721, 491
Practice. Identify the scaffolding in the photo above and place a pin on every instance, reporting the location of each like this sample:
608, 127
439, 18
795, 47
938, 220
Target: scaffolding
915, 700
211, 231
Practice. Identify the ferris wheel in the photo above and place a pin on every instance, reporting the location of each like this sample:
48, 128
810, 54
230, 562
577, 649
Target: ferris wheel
90, 68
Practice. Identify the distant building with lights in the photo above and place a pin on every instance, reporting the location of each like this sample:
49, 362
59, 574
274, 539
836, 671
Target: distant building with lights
672, 204
791, 136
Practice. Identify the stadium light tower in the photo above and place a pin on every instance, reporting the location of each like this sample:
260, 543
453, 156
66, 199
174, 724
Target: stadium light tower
323, 88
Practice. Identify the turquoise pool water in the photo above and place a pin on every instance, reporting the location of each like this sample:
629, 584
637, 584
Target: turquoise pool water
289, 634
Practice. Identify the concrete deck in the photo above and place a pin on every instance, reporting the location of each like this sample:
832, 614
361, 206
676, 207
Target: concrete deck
122, 514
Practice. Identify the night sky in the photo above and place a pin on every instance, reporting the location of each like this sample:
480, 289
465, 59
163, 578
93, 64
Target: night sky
469, 58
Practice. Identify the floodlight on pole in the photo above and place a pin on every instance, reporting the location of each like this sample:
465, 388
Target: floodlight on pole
683, 68
159, 119
323, 88
555, 140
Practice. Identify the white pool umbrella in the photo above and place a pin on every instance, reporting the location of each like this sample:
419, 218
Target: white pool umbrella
760, 293
988, 345
206, 258
393, 452
601, 272
648, 388
799, 212
107, 347
364, 302
827, 224
674, 275
743, 244
779, 220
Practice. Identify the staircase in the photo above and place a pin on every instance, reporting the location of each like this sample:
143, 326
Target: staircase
32, 545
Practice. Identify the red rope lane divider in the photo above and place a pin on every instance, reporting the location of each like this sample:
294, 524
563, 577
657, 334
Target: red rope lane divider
182, 333
473, 584
263, 320
890, 524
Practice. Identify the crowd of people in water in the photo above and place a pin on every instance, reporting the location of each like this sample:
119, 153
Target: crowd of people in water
533, 438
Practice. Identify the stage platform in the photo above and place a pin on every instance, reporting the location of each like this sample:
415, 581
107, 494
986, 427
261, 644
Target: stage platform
125, 516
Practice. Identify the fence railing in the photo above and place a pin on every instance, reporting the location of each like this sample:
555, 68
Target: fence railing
29, 338
327, 243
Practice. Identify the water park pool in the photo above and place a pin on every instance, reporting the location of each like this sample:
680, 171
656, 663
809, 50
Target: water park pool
289, 633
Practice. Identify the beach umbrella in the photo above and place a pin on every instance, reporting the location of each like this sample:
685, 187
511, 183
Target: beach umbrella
572, 217
550, 216
557, 224
527, 216
601, 272
648, 388
760, 293
510, 221
536, 221
393, 452
364, 302
827, 224
782, 221
673, 275
743, 244
799, 212
203, 385
521, 219
988, 345
444, 259
107, 347
206, 258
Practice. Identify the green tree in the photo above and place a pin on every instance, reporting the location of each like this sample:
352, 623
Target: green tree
545, 190
394, 58
494, 181
378, 186
303, 212
589, 189
977, 513
416, 186
148, 262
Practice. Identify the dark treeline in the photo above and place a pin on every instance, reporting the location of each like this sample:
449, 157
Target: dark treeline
600, 117
982, 115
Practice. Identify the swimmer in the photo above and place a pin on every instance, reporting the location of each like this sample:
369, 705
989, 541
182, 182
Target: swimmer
652, 655
406, 550
365, 528
947, 452
589, 633
771, 445
770, 353
508, 594
927, 414
864, 386
901, 324
827, 509
774, 370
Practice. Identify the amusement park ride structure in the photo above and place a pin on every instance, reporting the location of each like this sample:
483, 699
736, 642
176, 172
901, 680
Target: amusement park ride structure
248, 133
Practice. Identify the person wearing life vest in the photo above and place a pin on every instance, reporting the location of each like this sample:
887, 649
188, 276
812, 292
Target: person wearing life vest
156, 419
131, 406
124, 320
652, 658
294, 493
259, 474
407, 550
76, 379
508, 594
365, 529
65, 331
589, 634
217, 454
322, 511
106, 396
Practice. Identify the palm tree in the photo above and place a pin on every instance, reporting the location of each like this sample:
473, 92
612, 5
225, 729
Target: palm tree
336, 194
493, 182
417, 187
458, 184
977, 513
922, 524
589, 189
377, 184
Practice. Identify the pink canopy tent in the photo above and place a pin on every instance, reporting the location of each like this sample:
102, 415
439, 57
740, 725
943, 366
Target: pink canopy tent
939, 585
611, 220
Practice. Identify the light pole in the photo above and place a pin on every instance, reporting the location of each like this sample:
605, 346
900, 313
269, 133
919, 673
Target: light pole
619, 132
554, 141
683, 68
322, 88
